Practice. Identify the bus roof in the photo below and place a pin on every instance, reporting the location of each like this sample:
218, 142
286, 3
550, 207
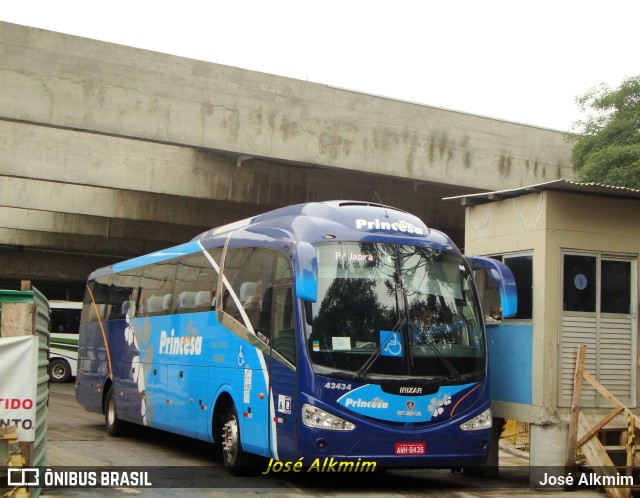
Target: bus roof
352, 220
312, 222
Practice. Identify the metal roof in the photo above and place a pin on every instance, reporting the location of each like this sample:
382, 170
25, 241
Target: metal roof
555, 185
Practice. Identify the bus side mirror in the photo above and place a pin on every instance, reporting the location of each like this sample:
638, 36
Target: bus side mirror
504, 279
306, 272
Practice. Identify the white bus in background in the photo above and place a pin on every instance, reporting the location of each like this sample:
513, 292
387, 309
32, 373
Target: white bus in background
64, 323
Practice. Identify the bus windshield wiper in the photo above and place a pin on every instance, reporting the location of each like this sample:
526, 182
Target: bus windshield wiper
453, 371
376, 354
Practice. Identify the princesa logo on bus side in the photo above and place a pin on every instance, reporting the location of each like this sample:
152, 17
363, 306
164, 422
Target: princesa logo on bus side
360, 403
180, 344
396, 226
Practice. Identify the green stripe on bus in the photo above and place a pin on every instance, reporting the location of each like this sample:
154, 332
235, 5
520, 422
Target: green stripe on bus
64, 347
57, 340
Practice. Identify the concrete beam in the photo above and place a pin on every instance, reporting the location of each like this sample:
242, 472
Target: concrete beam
34, 265
108, 228
112, 248
71, 82
109, 203
118, 172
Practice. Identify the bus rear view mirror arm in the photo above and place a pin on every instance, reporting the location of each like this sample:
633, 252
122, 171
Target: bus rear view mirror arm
306, 272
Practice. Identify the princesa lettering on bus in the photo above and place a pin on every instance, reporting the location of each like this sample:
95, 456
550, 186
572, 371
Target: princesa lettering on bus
396, 226
180, 345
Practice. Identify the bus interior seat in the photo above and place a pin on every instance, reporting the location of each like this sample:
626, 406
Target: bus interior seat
166, 302
203, 299
247, 290
187, 300
154, 304
126, 306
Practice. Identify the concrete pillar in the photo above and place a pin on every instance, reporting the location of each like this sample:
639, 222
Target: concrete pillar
546, 452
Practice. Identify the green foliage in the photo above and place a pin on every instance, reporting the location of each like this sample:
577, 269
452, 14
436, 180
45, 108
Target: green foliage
607, 141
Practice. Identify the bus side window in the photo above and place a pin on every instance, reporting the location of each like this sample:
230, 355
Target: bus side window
254, 274
242, 269
64, 320
123, 290
117, 297
195, 284
156, 282
95, 308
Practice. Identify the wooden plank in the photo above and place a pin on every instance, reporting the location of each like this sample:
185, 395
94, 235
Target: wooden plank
612, 399
601, 389
596, 428
631, 444
570, 455
633, 416
598, 458
17, 320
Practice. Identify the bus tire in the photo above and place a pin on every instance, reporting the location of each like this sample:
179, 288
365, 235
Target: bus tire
59, 371
234, 457
115, 427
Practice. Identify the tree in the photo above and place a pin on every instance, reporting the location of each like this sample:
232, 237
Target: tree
607, 141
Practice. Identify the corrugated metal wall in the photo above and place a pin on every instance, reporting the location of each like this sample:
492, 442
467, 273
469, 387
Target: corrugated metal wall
42, 329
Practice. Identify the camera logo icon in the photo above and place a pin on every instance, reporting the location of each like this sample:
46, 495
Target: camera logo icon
24, 477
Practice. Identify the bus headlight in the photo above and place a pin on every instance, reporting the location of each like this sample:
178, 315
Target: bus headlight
316, 418
482, 421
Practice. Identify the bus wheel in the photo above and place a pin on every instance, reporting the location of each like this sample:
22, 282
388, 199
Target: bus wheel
59, 371
115, 426
232, 453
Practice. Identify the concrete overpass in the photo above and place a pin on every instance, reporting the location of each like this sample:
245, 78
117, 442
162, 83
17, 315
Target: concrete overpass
108, 152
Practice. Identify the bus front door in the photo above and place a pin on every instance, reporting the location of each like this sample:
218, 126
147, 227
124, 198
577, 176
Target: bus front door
282, 375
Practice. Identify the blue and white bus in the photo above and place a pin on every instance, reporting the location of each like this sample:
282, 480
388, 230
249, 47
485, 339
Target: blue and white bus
331, 329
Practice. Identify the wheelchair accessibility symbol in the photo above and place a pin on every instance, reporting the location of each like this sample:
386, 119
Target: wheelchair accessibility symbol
390, 343
240, 357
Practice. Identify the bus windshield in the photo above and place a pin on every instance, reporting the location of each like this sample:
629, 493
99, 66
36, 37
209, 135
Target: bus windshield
390, 311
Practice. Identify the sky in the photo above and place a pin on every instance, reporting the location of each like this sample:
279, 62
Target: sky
518, 60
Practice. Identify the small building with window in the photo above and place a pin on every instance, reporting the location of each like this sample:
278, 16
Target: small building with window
573, 249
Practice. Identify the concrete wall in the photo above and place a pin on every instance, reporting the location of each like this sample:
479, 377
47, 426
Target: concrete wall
115, 151
519, 225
